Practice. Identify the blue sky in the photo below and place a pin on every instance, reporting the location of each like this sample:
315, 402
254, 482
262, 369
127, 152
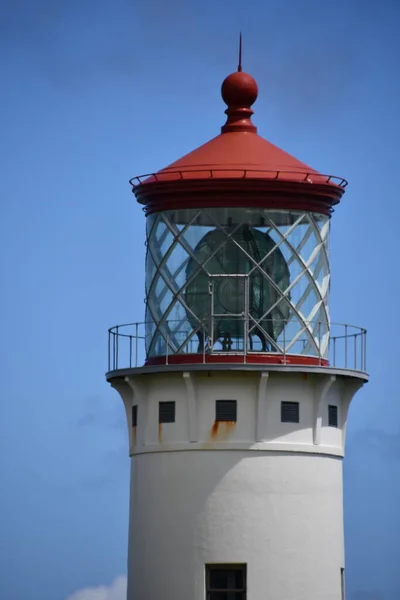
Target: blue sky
96, 92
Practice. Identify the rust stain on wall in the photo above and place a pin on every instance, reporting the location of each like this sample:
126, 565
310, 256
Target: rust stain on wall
160, 432
134, 435
221, 430
214, 429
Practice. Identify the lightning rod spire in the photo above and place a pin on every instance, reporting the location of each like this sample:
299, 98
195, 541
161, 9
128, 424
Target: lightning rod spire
240, 53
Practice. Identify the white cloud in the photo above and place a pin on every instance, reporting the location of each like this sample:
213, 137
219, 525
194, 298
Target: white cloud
116, 591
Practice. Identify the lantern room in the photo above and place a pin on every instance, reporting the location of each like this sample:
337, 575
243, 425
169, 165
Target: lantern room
237, 241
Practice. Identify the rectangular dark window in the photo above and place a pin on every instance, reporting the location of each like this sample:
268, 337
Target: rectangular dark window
166, 412
134, 415
225, 582
290, 412
225, 410
332, 415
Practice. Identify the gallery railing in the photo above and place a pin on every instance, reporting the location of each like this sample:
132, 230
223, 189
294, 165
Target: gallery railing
343, 346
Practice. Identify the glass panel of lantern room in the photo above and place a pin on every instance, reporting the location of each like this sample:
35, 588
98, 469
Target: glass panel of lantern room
264, 272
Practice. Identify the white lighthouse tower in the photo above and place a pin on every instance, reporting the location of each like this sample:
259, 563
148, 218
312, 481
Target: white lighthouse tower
237, 386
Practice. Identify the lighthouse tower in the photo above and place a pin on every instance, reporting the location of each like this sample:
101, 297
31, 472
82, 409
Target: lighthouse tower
237, 385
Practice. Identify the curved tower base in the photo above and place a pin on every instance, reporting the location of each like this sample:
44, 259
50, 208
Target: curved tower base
252, 485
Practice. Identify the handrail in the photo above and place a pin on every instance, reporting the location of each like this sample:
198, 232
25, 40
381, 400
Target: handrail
302, 176
345, 349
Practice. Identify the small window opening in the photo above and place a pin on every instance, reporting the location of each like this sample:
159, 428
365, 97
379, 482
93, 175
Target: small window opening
226, 410
332, 415
226, 582
290, 412
166, 412
134, 415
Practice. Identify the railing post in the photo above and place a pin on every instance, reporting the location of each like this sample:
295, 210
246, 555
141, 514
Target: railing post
319, 342
284, 342
137, 341
334, 351
345, 346
109, 349
166, 354
365, 349
362, 350
117, 348
130, 351
113, 350
245, 337
204, 345
355, 351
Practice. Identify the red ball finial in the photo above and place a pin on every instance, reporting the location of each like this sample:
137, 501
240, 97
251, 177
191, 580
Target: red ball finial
239, 91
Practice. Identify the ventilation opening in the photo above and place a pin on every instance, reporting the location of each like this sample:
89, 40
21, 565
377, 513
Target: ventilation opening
290, 412
166, 412
332, 415
134, 415
226, 410
224, 582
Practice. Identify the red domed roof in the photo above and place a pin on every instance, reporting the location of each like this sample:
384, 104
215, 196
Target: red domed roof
244, 151
239, 153
239, 146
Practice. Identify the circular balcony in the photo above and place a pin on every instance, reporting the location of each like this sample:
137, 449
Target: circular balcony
343, 347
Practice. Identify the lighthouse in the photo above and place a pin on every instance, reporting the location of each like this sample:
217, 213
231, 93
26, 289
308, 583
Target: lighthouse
236, 383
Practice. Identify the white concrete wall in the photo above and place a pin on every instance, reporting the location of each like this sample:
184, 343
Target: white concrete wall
280, 513
259, 397
257, 491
